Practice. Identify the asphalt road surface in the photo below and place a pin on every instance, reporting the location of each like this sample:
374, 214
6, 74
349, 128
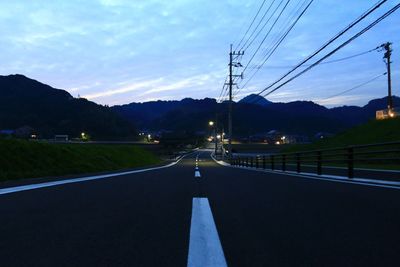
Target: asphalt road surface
225, 215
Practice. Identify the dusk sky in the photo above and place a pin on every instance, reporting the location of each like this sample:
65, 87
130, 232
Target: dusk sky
121, 51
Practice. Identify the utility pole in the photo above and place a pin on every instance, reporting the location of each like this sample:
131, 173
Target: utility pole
233, 55
388, 53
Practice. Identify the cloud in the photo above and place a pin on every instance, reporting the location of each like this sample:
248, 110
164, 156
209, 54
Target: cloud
114, 51
125, 89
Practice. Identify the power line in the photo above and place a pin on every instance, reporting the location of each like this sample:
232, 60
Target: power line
296, 10
280, 37
355, 87
338, 48
364, 15
251, 24
329, 61
278, 43
259, 23
265, 37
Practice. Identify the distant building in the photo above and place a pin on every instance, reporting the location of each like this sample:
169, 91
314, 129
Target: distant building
386, 113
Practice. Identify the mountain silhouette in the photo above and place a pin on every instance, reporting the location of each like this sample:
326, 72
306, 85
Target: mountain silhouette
255, 99
28, 103
50, 111
298, 117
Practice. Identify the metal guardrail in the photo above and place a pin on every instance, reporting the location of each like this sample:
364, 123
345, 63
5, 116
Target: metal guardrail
371, 154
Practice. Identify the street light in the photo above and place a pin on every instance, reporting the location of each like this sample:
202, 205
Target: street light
211, 124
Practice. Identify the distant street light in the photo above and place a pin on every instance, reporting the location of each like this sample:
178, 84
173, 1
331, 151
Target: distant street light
211, 123
84, 136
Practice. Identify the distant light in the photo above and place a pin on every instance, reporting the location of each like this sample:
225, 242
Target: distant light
211, 123
391, 114
283, 137
277, 143
83, 134
219, 136
149, 136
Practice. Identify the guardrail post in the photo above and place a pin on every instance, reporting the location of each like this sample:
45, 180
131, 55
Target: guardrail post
272, 162
283, 162
319, 162
247, 162
263, 163
298, 167
257, 162
350, 162
251, 162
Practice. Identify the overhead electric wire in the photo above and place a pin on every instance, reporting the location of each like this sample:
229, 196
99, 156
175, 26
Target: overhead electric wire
300, 5
222, 90
292, 16
251, 24
278, 43
351, 25
259, 23
329, 61
355, 87
371, 25
265, 37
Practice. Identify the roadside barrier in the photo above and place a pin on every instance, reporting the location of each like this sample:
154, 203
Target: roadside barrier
382, 155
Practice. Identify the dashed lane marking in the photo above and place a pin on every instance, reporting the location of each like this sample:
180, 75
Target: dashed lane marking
205, 248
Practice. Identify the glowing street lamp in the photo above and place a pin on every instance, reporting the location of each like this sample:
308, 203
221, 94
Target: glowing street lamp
211, 123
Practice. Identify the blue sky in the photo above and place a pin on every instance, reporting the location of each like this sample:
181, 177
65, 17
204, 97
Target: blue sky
121, 51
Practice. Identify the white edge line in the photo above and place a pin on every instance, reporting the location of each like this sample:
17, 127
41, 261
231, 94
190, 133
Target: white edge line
20, 188
205, 248
333, 178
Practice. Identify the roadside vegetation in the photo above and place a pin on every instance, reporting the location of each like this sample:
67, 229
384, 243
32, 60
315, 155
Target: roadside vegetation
27, 159
375, 131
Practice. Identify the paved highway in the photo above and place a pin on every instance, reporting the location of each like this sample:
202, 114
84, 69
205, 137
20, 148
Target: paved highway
209, 216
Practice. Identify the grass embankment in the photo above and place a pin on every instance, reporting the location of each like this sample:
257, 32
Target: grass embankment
24, 159
373, 132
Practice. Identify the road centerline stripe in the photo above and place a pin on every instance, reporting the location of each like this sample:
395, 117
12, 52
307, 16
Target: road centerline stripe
205, 248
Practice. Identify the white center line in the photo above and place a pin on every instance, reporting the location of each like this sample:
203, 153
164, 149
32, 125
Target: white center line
205, 248
197, 173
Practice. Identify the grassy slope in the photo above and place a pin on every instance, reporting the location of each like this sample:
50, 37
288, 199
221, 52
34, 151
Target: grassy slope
369, 133
23, 159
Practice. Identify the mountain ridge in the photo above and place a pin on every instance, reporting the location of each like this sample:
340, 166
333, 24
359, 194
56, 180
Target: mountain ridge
49, 111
